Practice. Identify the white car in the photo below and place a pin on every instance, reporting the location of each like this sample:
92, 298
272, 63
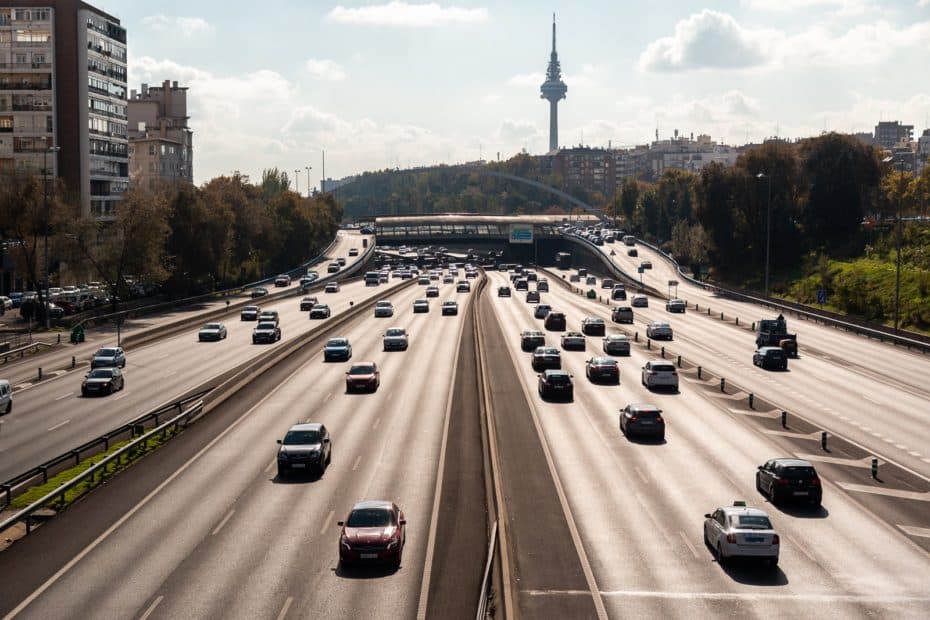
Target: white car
573, 341
660, 373
658, 330
396, 339
384, 308
740, 531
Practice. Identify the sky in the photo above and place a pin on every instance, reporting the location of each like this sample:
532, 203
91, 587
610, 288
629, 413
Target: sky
400, 83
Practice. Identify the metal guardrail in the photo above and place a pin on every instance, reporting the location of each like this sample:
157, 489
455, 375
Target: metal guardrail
58, 494
75, 456
801, 310
21, 351
486, 580
614, 269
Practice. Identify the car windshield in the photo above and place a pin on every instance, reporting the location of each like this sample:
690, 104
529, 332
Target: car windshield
301, 438
101, 373
106, 353
212, 326
776, 353
362, 369
603, 361
595, 321
266, 325
337, 342
383, 304
319, 307
370, 517
752, 522
395, 332
616, 338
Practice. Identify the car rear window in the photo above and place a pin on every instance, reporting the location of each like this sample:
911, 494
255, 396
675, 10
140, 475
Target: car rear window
337, 342
663, 368
106, 352
558, 379
798, 473
395, 332
755, 522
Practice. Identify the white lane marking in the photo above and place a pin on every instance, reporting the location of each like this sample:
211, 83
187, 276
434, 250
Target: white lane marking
912, 530
865, 463
228, 516
815, 435
59, 425
917, 454
688, 544
899, 493
121, 396
287, 605
271, 465
329, 396
358, 460
148, 612
327, 521
144, 501
800, 547
170, 373
64, 396
375, 425
642, 475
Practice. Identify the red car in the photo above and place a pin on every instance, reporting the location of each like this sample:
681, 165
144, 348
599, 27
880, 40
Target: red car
363, 376
374, 532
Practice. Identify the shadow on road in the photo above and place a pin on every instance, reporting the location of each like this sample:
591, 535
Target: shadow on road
364, 572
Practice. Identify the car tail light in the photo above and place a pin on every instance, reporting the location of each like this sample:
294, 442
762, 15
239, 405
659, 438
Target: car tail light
633, 418
815, 482
731, 538
775, 539
650, 372
781, 482
659, 419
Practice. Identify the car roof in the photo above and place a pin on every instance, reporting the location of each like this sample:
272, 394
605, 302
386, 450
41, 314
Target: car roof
594, 319
644, 407
743, 510
555, 372
791, 462
604, 360
370, 504
616, 337
306, 426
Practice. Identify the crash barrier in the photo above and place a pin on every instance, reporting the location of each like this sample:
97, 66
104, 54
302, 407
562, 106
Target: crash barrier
612, 268
847, 323
21, 351
101, 469
41, 473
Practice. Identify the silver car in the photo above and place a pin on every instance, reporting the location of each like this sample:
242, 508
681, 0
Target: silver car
617, 344
660, 373
657, 330
740, 531
395, 339
384, 308
639, 301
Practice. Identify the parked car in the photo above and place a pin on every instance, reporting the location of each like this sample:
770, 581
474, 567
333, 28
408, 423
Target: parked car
770, 357
602, 369
320, 311
305, 447
337, 349
531, 338
556, 384
363, 376
789, 479
108, 357
616, 344
741, 531
546, 357
307, 303
420, 305
250, 313
212, 331
657, 330
450, 308
573, 341
258, 292
593, 326
374, 532
660, 373
396, 339
639, 301
642, 419
102, 382
555, 321
675, 305
266, 331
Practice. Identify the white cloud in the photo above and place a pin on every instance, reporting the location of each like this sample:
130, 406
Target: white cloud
923, 3
846, 7
490, 98
706, 40
864, 44
517, 131
188, 26
325, 69
527, 79
398, 13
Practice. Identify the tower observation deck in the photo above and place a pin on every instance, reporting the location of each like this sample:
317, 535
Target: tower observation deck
553, 90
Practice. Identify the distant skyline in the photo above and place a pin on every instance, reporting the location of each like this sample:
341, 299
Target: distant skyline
384, 84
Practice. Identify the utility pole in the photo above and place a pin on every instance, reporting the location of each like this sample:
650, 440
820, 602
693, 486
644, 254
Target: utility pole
768, 228
297, 181
308, 169
44, 294
323, 172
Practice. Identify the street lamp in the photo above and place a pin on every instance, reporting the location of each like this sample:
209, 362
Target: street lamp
897, 268
768, 228
308, 169
51, 149
297, 181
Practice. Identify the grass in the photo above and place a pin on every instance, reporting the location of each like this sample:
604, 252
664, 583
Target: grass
38, 492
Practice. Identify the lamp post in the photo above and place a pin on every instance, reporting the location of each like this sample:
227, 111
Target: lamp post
297, 181
51, 149
768, 228
897, 267
308, 169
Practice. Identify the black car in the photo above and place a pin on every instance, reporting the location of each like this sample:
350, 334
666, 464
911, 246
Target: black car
450, 308
307, 303
531, 338
546, 357
789, 479
555, 321
532, 297
770, 357
305, 447
556, 384
503, 291
259, 292
593, 326
102, 382
266, 331
642, 419
320, 311
632, 252
602, 369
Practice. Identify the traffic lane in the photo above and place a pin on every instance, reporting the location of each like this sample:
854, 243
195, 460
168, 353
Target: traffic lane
621, 489
252, 533
154, 374
542, 556
832, 395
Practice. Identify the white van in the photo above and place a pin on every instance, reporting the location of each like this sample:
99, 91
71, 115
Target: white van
6, 396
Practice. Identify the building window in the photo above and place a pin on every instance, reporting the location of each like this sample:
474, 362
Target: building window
153, 150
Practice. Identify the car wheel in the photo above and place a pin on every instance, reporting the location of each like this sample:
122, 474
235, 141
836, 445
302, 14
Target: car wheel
773, 495
721, 560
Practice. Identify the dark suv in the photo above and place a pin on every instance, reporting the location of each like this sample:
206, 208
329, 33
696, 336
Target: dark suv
592, 326
556, 384
789, 479
770, 357
555, 321
642, 419
305, 447
530, 339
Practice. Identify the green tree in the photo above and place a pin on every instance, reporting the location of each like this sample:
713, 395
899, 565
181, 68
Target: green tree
629, 196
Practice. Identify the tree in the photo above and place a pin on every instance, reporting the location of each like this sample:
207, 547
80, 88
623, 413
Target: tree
200, 243
274, 183
629, 196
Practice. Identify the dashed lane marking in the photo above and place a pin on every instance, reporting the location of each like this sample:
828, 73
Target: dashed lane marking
865, 463
271, 465
912, 530
684, 538
148, 612
287, 605
357, 461
228, 516
814, 436
759, 414
59, 425
642, 475
375, 425
742, 596
327, 521
899, 493
64, 396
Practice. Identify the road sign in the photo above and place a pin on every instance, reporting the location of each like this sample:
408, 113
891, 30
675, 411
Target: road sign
521, 233
640, 270
673, 282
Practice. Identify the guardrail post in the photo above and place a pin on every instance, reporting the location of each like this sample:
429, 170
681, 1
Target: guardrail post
679, 361
40, 373
663, 352
59, 338
44, 473
648, 343
737, 321
823, 440
73, 362
77, 456
723, 384
635, 336
721, 316
753, 328
697, 308
700, 371
8, 491
784, 419
752, 398
708, 312
874, 467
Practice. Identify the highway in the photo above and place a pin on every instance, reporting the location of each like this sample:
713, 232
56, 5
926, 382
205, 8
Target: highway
50, 417
639, 507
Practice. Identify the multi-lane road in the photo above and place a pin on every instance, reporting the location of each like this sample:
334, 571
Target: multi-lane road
594, 525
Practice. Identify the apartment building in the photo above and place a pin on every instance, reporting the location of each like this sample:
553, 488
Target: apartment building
63, 98
161, 145
590, 168
889, 133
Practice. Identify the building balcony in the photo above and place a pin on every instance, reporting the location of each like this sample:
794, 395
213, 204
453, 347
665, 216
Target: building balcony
30, 86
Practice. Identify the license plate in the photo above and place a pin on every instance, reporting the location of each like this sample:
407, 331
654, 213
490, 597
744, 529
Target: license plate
754, 539
647, 422
800, 492
298, 465
368, 556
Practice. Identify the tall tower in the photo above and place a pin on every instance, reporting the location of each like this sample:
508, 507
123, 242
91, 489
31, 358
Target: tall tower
554, 90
